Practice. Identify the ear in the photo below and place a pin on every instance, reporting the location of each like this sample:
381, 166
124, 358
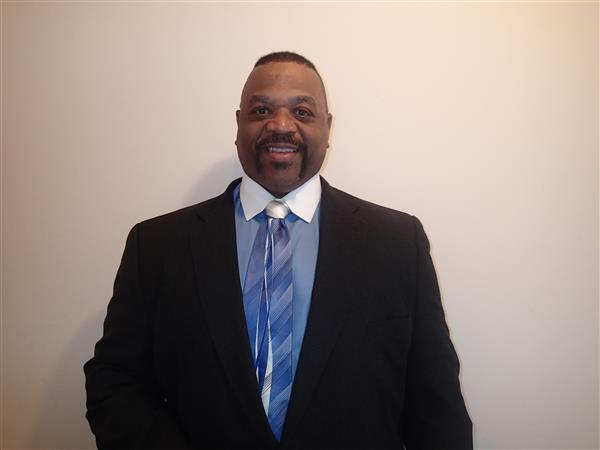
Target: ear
237, 120
329, 121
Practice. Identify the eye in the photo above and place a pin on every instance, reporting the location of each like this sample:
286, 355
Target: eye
303, 112
260, 111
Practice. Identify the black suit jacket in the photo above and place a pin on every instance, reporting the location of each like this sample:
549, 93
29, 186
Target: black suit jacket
377, 369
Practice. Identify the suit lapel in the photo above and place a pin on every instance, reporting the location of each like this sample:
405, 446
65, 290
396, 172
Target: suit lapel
342, 235
215, 258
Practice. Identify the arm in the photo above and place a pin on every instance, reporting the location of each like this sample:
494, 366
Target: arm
125, 407
435, 413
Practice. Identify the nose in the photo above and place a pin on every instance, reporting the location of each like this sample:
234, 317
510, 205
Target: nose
281, 122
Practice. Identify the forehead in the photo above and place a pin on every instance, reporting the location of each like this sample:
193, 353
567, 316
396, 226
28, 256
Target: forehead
283, 80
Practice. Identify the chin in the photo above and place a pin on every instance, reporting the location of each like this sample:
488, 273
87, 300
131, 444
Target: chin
281, 178
280, 187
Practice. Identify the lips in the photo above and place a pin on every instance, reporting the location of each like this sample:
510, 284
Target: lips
277, 149
279, 144
280, 154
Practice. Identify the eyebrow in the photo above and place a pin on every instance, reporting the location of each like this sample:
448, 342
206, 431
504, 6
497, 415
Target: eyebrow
293, 101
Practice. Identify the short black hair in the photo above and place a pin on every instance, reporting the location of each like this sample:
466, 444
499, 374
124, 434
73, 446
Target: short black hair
286, 56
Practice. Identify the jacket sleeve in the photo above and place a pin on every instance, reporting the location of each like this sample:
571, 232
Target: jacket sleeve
125, 407
435, 414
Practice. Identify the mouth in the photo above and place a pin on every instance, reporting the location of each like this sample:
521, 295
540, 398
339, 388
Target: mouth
284, 152
280, 149
280, 155
280, 152
279, 145
277, 158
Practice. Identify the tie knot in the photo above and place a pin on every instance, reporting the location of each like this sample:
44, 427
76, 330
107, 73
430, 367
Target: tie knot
277, 209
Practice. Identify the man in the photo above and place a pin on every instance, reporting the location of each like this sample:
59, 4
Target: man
314, 324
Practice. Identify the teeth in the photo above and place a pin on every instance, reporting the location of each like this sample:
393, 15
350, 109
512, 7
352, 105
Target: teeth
281, 149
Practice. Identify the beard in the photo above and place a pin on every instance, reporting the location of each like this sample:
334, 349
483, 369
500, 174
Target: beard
263, 145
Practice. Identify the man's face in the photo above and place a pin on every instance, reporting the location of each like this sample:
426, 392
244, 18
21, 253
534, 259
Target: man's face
283, 126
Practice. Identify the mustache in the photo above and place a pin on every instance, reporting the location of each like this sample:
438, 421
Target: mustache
280, 139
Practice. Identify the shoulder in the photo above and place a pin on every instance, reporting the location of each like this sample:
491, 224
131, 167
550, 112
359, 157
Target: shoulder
177, 224
379, 218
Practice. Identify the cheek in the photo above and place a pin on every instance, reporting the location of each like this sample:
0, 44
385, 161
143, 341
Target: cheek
317, 141
247, 135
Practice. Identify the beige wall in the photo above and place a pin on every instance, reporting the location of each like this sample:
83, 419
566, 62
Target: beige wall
480, 118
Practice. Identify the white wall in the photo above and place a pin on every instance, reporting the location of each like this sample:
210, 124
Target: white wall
480, 118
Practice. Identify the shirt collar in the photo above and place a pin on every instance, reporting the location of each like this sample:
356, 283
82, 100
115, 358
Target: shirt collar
302, 201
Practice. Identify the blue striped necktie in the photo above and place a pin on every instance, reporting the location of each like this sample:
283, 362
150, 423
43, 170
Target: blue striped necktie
268, 309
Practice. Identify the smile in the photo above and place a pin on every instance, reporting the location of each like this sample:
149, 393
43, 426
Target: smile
282, 149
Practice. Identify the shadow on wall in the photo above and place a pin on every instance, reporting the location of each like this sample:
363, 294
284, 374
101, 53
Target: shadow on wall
215, 179
60, 421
